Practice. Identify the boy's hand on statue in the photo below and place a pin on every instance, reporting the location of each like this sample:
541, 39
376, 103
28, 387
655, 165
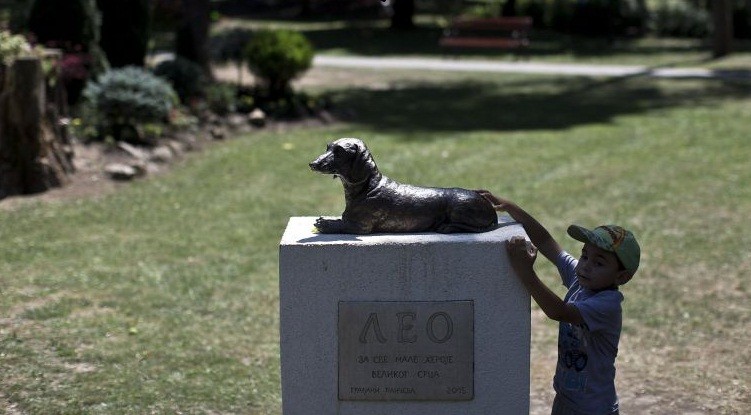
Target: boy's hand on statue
522, 253
499, 204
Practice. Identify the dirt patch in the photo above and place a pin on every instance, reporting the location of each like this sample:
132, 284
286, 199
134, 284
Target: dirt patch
92, 161
89, 180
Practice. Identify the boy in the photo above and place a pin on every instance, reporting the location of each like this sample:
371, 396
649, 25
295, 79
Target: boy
589, 314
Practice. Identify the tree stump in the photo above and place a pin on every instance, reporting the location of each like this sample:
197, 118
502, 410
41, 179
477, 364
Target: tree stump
32, 157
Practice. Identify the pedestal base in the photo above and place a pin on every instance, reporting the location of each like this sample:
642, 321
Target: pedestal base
402, 324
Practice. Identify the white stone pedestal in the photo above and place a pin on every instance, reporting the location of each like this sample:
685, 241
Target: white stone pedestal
319, 273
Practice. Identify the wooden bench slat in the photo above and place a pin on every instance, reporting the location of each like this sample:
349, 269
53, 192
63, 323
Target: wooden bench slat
506, 23
469, 32
483, 42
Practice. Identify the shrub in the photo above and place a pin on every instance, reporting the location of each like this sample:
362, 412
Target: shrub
483, 10
682, 19
12, 46
75, 69
228, 46
186, 78
123, 99
589, 17
221, 99
277, 57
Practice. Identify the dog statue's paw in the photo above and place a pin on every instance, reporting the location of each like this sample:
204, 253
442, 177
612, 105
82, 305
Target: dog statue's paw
328, 225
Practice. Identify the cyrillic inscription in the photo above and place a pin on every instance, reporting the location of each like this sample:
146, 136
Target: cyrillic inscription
406, 350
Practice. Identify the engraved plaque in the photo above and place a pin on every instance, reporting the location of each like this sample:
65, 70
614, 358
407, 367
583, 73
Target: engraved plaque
403, 351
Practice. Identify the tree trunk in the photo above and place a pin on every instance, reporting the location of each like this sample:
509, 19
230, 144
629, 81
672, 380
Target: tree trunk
509, 8
192, 37
404, 12
125, 31
32, 159
722, 38
70, 25
306, 9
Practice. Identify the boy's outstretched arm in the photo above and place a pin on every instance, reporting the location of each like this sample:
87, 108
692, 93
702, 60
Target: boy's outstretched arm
522, 255
537, 233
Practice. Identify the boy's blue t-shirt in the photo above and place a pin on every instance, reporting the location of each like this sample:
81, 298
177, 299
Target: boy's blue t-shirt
585, 374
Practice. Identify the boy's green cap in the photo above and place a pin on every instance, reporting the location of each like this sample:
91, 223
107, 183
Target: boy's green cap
611, 238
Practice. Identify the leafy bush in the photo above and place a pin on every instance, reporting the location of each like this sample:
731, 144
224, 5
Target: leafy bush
229, 46
74, 71
682, 19
221, 98
123, 99
482, 10
587, 17
277, 57
12, 46
186, 77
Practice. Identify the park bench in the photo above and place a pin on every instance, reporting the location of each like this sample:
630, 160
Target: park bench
492, 32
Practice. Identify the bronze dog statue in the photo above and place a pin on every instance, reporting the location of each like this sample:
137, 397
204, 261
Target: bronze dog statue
377, 204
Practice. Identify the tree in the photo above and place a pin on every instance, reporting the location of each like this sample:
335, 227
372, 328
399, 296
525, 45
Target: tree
722, 17
403, 14
192, 37
125, 31
509, 8
63, 24
73, 26
306, 9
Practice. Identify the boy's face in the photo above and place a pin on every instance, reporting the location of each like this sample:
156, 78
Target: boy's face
598, 269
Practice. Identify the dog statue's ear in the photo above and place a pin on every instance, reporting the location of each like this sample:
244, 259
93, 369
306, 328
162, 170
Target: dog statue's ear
362, 166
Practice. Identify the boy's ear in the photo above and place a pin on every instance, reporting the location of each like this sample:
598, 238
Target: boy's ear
623, 277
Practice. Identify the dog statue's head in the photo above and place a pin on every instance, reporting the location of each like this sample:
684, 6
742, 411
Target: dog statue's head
346, 158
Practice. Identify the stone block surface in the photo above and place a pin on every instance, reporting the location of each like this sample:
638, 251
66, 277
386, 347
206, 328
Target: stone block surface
318, 272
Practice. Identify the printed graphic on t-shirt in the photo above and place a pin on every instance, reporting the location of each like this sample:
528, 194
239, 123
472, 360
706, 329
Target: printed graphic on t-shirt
573, 356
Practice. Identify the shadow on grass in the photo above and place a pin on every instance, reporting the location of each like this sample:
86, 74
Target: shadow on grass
523, 104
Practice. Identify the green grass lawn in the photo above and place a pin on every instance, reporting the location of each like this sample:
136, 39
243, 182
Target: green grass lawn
163, 297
